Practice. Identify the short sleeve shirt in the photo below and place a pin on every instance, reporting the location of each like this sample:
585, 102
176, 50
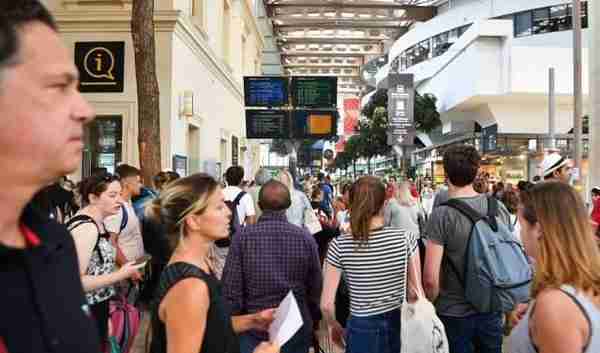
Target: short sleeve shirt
375, 271
131, 242
246, 206
451, 229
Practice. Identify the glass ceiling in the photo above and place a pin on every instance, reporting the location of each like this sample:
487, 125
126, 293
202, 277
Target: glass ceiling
337, 37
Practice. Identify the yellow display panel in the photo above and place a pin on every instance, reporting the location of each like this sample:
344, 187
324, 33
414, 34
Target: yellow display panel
320, 124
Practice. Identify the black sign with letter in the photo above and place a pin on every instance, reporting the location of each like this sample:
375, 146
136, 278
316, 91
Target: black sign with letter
101, 66
266, 124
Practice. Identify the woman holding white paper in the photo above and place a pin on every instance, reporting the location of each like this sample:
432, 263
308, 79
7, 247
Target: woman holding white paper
374, 260
190, 315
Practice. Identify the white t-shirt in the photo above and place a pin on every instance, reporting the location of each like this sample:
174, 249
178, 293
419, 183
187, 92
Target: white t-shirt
130, 239
246, 206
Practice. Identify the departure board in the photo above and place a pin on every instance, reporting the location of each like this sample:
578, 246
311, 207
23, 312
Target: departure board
314, 92
264, 124
266, 91
314, 123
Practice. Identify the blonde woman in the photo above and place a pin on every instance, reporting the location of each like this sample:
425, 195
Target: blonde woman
403, 210
296, 214
564, 315
190, 315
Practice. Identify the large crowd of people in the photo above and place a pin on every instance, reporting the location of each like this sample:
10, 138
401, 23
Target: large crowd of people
210, 260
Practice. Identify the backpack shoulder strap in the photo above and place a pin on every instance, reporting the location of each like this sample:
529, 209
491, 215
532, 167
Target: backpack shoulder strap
78, 220
492, 213
176, 272
238, 198
124, 218
465, 209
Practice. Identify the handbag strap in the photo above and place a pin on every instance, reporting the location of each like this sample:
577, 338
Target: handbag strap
414, 271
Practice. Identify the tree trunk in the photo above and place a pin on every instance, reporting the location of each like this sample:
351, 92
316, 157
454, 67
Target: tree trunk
369, 166
142, 30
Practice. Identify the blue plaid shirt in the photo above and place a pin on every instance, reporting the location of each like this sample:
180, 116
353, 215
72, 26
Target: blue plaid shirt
267, 260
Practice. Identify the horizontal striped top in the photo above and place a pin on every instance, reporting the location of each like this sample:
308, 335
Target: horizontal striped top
376, 272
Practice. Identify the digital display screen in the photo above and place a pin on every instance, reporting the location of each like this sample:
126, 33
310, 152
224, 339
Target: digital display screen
266, 124
314, 92
314, 123
266, 91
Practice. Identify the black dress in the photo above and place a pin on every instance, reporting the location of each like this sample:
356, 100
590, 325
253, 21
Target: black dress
218, 335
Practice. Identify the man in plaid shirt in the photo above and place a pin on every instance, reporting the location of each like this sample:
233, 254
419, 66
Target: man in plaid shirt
267, 260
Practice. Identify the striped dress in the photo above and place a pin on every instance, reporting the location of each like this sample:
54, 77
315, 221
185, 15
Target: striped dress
376, 271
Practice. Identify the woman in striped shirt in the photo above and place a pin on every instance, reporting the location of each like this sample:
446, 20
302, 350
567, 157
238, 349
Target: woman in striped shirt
375, 262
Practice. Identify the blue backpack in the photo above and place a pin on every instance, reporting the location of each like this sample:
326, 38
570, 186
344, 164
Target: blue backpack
497, 275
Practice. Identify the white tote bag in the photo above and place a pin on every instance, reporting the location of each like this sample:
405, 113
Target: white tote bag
311, 221
422, 331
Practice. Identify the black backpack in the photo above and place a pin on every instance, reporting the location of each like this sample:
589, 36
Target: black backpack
235, 224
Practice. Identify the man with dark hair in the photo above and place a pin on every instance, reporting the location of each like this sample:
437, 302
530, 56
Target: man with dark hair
42, 305
245, 207
266, 261
126, 224
447, 235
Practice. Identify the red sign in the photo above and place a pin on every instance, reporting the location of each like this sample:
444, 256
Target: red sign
341, 144
351, 115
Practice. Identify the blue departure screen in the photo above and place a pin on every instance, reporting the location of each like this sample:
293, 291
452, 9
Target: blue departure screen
265, 91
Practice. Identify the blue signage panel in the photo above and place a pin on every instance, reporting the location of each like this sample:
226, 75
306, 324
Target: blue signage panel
265, 91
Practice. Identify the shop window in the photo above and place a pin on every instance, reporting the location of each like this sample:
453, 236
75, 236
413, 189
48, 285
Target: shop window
541, 21
103, 144
440, 44
560, 18
584, 14
523, 24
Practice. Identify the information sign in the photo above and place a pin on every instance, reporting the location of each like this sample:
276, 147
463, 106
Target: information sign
264, 124
314, 123
314, 92
266, 91
401, 98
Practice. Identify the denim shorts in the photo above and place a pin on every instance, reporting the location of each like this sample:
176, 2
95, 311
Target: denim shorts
374, 334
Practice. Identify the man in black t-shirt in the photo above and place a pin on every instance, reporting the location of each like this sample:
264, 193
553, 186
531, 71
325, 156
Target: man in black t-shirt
42, 306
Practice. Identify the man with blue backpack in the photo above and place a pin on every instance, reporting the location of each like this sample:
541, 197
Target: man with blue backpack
475, 270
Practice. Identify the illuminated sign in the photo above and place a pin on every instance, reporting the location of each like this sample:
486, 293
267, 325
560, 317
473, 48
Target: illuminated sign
314, 92
314, 123
264, 124
101, 66
266, 91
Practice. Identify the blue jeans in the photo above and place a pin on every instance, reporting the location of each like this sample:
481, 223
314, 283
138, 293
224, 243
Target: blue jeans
300, 343
480, 333
374, 334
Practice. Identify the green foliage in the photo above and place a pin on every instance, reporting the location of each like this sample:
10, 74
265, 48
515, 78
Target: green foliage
427, 118
343, 160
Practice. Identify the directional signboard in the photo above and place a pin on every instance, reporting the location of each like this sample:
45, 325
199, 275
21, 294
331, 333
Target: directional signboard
401, 98
318, 92
266, 91
314, 123
263, 124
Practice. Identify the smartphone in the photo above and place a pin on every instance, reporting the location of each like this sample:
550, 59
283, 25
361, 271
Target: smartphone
143, 259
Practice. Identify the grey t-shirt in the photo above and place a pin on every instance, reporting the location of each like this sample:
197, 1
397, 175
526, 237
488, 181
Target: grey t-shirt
450, 228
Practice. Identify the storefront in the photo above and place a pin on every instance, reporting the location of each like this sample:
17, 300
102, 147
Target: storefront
510, 158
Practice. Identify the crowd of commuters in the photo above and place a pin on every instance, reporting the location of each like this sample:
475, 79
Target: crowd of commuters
219, 259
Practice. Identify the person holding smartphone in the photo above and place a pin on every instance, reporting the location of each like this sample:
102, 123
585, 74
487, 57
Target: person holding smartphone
96, 252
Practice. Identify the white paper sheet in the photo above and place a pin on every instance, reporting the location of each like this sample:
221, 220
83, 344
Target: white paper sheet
288, 321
